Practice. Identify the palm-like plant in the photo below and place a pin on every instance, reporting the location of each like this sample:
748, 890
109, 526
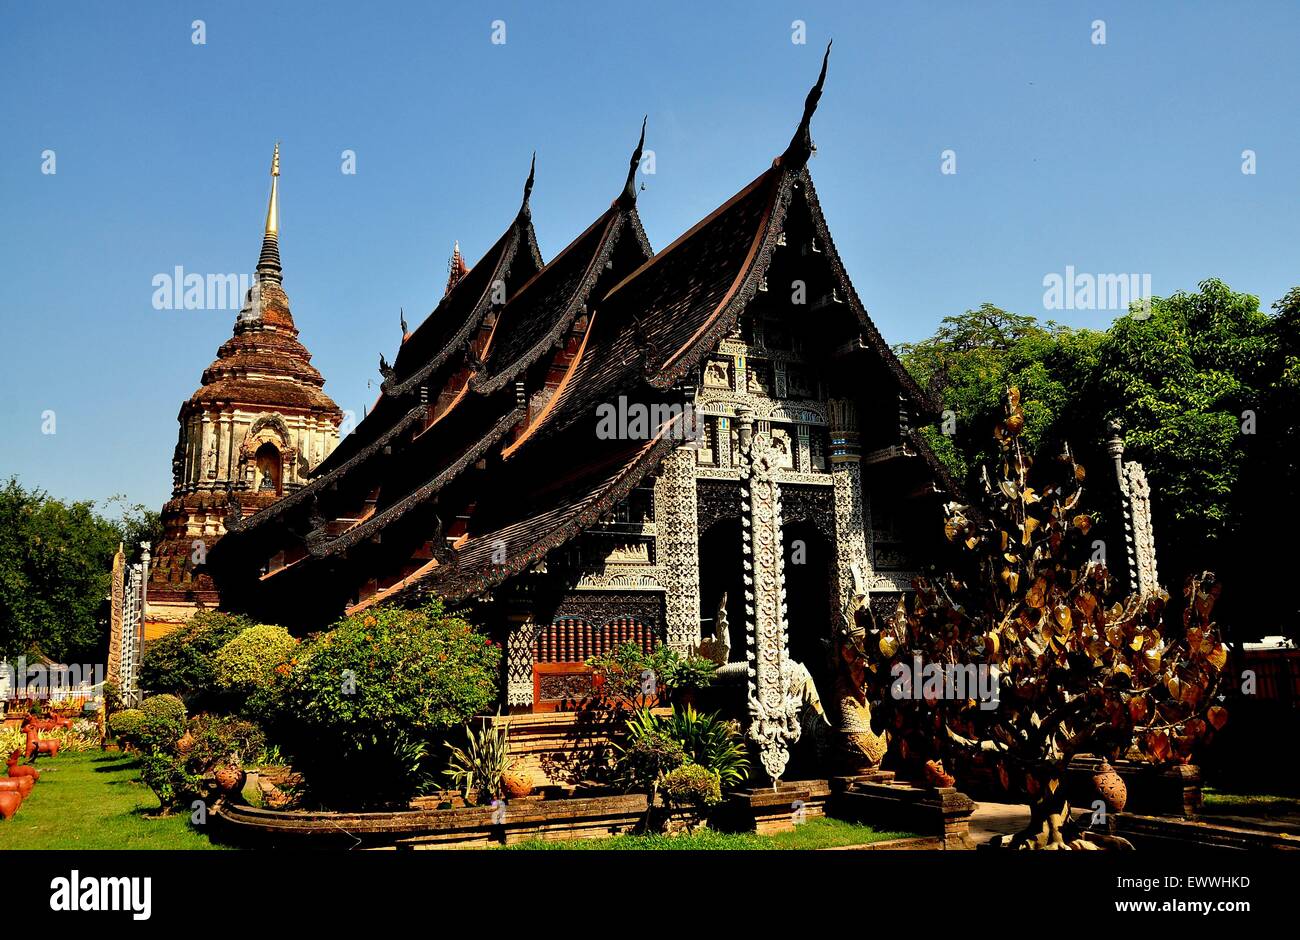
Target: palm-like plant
708, 740
479, 766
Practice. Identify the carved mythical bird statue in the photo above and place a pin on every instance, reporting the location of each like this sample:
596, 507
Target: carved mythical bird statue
717, 649
861, 749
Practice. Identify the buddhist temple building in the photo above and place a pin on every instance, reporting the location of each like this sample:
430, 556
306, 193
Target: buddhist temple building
625, 445
253, 432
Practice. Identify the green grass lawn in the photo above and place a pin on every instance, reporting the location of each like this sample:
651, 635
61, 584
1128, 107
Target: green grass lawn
814, 834
1216, 802
94, 800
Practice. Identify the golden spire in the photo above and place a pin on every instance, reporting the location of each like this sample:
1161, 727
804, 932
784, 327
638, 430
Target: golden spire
273, 207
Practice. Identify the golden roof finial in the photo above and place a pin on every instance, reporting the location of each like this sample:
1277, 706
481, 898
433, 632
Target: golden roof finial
273, 208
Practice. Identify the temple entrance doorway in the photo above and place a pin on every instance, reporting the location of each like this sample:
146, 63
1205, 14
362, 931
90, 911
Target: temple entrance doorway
722, 569
808, 603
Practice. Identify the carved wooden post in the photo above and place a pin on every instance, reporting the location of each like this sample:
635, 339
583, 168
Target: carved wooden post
1135, 504
678, 548
117, 595
773, 711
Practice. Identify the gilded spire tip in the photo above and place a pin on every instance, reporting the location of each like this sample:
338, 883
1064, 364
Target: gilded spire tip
273, 206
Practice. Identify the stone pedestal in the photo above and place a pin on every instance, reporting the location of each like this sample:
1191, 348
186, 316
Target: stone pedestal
766, 811
941, 812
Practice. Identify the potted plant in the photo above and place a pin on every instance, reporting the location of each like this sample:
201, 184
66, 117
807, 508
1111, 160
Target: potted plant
221, 746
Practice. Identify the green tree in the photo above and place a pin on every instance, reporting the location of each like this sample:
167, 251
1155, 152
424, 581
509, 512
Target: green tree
1207, 388
55, 562
974, 357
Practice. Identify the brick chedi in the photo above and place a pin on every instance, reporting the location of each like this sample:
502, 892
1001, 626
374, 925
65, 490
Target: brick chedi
257, 426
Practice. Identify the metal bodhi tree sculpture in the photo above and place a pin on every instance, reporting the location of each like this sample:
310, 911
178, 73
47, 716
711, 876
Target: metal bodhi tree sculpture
1075, 665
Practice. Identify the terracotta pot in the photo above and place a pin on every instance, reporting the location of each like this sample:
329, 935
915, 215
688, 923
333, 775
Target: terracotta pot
10, 800
516, 783
185, 744
1111, 788
229, 779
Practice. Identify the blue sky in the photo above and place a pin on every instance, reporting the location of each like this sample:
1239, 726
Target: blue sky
1122, 157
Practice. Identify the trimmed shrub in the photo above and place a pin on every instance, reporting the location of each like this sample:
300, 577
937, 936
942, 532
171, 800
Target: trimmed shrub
692, 785
366, 701
126, 725
248, 661
253, 666
162, 722
182, 662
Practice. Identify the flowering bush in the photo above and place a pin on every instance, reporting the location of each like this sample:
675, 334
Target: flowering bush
249, 661
82, 736
253, 666
365, 701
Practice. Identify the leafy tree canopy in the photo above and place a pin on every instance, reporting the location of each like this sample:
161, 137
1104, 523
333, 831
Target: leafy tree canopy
55, 564
1206, 386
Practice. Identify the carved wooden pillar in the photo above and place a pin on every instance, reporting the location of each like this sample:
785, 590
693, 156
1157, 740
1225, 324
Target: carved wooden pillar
774, 713
853, 563
678, 548
117, 595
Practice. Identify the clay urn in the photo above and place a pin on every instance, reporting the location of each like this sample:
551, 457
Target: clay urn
185, 744
230, 778
10, 800
1110, 786
516, 784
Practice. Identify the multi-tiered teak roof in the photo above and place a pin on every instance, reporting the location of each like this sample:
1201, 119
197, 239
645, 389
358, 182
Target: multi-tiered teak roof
254, 430
483, 454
